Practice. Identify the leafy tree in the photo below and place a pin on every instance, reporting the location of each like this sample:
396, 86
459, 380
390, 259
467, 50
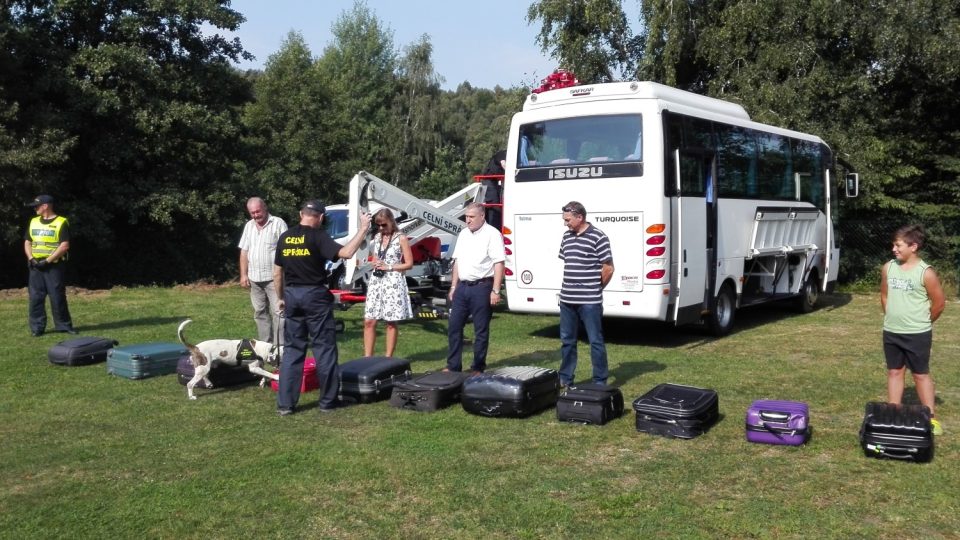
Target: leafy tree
414, 112
287, 125
120, 92
446, 177
358, 68
590, 37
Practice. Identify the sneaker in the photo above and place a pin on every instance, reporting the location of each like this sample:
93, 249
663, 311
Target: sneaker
937, 428
284, 412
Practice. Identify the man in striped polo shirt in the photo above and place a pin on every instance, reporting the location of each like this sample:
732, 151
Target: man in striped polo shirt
258, 246
587, 268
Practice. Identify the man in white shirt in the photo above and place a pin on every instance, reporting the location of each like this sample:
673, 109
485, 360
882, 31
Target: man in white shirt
475, 287
258, 245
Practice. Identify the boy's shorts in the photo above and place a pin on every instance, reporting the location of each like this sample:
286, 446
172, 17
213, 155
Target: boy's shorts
911, 350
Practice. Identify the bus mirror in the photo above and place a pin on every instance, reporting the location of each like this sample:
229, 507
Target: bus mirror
853, 184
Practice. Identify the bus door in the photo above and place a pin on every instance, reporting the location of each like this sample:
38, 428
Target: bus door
695, 233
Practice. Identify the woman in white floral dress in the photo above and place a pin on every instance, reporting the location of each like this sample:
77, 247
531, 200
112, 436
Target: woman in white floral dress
387, 297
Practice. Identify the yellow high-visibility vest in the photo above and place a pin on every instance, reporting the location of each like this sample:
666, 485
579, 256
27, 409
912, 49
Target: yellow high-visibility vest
45, 237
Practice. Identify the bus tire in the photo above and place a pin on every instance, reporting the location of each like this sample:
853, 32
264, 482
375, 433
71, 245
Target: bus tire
809, 294
720, 319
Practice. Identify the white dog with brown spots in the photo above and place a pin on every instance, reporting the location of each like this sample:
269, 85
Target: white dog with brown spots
232, 352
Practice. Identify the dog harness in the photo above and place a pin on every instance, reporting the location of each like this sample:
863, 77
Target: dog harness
245, 352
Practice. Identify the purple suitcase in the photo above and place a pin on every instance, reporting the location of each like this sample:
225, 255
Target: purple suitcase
772, 421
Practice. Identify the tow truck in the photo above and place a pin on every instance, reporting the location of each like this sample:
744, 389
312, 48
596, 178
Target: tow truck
431, 227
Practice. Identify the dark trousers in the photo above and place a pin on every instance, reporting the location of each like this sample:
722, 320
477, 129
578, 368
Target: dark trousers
309, 323
469, 300
49, 281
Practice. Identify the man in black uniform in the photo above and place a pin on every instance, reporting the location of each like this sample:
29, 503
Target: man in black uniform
300, 277
45, 244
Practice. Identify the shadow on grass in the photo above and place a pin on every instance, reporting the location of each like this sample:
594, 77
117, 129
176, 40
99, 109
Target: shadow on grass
910, 397
622, 331
146, 321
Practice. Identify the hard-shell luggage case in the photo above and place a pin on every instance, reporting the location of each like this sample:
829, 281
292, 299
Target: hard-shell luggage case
308, 382
897, 432
511, 392
144, 359
220, 376
427, 392
370, 379
81, 351
771, 421
677, 411
590, 403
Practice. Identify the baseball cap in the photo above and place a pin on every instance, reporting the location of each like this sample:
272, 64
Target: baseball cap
40, 199
314, 205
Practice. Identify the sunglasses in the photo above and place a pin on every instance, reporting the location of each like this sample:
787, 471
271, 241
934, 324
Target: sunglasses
570, 210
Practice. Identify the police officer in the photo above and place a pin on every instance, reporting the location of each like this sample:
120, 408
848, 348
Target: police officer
300, 278
46, 243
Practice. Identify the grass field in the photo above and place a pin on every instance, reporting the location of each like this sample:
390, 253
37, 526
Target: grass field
89, 455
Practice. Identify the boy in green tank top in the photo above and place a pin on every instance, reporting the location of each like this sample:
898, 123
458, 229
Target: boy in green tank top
912, 299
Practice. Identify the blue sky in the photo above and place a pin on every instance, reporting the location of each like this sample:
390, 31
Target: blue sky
485, 42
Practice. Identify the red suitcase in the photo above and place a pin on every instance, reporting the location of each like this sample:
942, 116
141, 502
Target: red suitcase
309, 381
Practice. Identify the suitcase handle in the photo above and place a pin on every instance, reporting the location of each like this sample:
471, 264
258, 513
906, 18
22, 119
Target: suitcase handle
658, 420
896, 452
774, 416
778, 430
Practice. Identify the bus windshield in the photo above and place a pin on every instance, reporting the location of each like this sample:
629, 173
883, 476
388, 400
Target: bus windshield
591, 139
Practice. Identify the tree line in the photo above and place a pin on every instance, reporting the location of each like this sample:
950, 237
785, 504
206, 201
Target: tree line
135, 117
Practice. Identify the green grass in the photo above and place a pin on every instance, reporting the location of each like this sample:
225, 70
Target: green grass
88, 455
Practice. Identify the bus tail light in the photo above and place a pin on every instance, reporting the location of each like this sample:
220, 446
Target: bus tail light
507, 251
656, 228
508, 271
656, 240
507, 241
656, 251
656, 274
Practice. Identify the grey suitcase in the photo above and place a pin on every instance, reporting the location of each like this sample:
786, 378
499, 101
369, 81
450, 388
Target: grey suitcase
81, 351
511, 392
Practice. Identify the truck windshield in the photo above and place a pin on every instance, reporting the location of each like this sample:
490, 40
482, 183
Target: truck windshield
335, 223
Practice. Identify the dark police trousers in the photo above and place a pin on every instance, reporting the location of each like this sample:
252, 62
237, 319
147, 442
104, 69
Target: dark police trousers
470, 299
309, 322
43, 282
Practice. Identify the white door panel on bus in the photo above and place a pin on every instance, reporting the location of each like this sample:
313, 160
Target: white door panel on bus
692, 255
537, 250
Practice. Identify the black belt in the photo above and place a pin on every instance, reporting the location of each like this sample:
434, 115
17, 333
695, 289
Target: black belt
477, 282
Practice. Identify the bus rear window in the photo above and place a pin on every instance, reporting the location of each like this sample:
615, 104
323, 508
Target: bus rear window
584, 140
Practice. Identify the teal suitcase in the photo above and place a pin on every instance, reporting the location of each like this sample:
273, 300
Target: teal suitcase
144, 360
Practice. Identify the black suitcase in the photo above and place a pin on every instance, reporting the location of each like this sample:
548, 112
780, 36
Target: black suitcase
81, 351
511, 392
677, 411
427, 392
897, 432
591, 403
370, 379
220, 375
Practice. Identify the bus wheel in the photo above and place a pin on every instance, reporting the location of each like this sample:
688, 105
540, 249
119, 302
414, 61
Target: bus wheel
809, 294
720, 319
